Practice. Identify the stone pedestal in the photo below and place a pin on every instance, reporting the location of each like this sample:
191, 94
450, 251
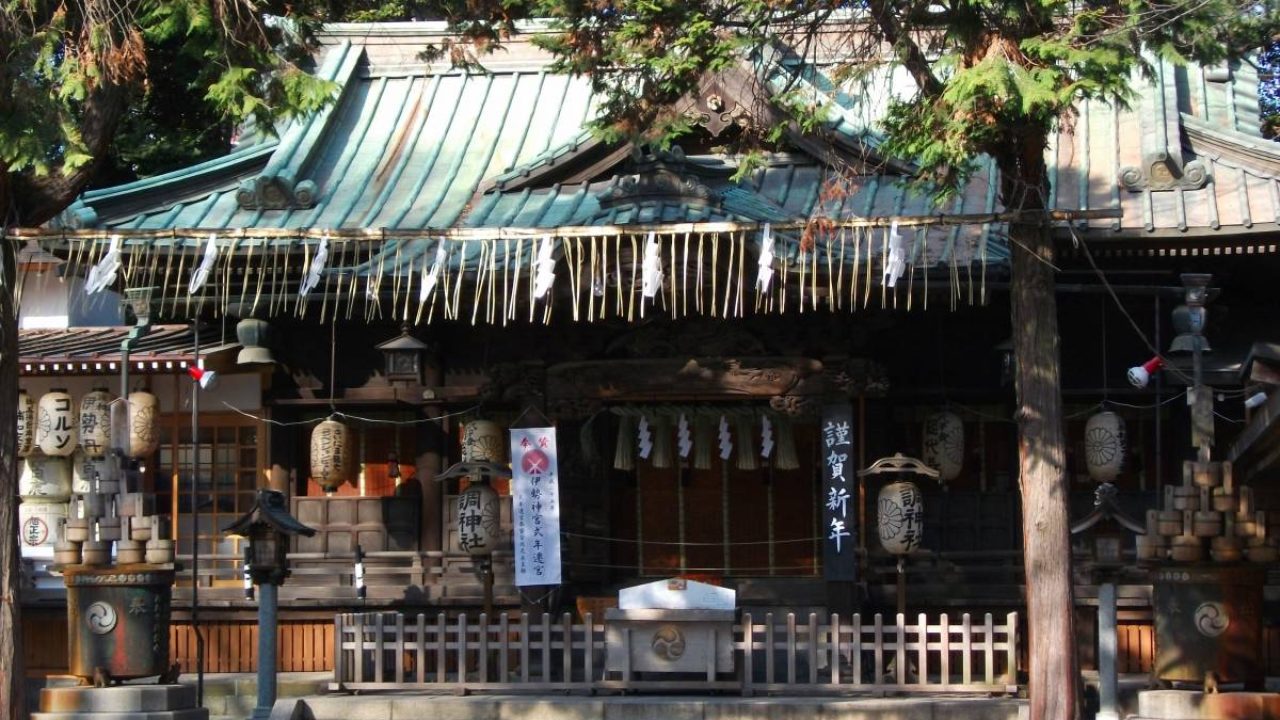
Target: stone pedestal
1194, 705
122, 702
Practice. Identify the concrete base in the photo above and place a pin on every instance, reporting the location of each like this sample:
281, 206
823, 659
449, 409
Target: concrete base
1193, 705
122, 702
489, 707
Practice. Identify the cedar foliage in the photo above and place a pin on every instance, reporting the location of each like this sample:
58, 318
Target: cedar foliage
991, 78
72, 76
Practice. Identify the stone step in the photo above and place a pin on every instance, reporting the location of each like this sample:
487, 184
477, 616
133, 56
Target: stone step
188, 714
118, 699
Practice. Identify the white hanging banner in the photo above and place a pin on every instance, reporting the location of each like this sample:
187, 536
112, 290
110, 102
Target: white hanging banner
535, 487
201, 274
764, 276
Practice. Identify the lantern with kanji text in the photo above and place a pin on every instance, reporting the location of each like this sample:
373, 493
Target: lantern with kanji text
479, 525
57, 431
900, 508
26, 424
330, 446
944, 444
95, 423
482, 441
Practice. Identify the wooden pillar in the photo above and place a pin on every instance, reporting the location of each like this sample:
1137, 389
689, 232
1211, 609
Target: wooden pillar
282, 446
431, 449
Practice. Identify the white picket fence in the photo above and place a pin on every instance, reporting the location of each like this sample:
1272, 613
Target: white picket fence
391, 651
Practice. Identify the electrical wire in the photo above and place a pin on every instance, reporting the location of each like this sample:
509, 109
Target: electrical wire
340, 414
633, 541
1080, 242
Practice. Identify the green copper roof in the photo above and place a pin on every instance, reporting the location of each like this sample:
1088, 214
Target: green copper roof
412, 147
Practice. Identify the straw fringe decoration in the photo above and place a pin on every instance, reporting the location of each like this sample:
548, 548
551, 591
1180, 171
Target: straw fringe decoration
785, 454
746, 443
661, 457
624, 454
705, 271
704, 440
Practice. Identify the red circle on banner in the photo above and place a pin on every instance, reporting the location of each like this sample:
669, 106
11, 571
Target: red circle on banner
535, 462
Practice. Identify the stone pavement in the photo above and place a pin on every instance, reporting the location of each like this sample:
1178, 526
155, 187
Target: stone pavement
406, 706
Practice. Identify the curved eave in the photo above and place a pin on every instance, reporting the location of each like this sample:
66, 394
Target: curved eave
187, 184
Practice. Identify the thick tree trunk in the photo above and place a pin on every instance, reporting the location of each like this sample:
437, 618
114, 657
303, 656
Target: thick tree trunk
12, 672
1046, 536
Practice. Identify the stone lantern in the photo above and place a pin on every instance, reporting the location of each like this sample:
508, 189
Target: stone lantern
268, 527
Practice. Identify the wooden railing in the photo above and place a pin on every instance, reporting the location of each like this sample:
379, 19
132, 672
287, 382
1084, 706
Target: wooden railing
812, 655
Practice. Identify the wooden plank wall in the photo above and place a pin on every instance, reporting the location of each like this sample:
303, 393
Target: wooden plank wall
232, 646
44, 646
1136, 648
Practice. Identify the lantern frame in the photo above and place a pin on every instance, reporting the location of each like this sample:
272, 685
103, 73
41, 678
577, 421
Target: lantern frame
402, 357
268, 525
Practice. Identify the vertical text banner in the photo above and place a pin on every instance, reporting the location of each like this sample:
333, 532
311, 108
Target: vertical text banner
839, 494
536, 490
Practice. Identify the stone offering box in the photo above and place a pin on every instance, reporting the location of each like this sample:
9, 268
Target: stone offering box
671, 626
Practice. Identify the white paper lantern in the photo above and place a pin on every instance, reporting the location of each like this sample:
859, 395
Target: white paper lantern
45, 477
901, 517
57, 430
85, 469
95, 422
330, 446
479, 519
40, 523
482, 441
144, 436
944, 444
26, 424
1104, 446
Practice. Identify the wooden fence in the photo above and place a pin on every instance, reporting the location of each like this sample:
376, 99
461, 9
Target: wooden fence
813, 655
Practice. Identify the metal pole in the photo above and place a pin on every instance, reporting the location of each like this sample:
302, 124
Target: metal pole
1158, 480
266, 650
195, 521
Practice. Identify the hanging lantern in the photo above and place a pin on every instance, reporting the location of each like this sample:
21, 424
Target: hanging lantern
45, 477
901, 517
40, 523
944, 444
144, 438
482, 442
56, 428
329, 449
95, 422
479, 519
26, 424
1104, 446
85, 469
